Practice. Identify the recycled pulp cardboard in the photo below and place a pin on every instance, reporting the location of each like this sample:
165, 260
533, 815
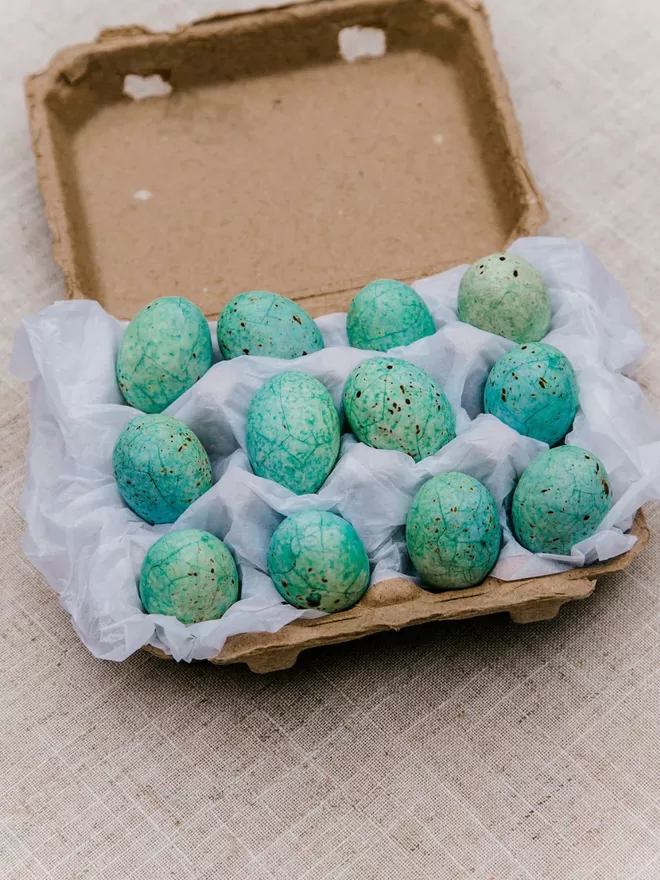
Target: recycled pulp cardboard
261, 151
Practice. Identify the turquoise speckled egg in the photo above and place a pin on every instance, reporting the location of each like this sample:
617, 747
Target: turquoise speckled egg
317, 560
293, 432
561, 498
453, 532
189, 575
166, 348
503, 294
267, 325
391, 404
160, 467
533, 389
385, 314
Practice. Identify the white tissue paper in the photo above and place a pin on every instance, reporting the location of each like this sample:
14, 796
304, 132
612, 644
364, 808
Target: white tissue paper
89, 546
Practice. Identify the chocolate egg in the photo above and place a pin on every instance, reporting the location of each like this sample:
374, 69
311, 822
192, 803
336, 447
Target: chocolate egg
293, 432
160, 467
504, 294
317, 560
267, 325
385, 314
533, 389
561, 499
190, 575
391, 404
166, 348
453, 531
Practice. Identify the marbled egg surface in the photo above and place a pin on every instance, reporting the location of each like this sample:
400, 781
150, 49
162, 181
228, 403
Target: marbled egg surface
533, 389
267, 325
561, 498
190, 575
317, 560
166, 348
453, 532
293, 432
160, 467
504, 294
392, 404
385, 314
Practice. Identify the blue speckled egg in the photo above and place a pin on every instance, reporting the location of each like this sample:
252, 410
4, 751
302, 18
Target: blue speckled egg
391, 404
533, 389
453, 532
561, 498
160, 467
189, 575
267, 325
504, 294
385, 314
166, 348
317, 560
293, 432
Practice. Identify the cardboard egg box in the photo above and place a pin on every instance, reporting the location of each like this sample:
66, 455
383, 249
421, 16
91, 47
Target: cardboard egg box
307, 150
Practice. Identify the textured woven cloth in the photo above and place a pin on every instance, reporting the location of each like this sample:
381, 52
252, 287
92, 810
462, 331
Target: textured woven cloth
479, 749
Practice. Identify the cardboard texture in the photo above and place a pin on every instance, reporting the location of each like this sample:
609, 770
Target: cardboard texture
267, 160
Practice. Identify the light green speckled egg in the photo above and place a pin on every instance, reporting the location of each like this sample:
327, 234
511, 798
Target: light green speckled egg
561, 498
166, 348
533, 389
385, 314
160, 467
391, 404
504, 294
317, 560
189, 575
453, 532
267, 325
293, 432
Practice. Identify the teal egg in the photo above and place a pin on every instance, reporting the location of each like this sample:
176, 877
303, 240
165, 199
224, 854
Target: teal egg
160, 467
166, 348
561, 498
391, 404
504, 294
453, 532
533, 390
189, 575
267, 325
385, 314
293, 432
317, 560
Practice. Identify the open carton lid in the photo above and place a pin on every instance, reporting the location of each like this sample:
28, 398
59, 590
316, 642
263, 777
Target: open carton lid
273, 156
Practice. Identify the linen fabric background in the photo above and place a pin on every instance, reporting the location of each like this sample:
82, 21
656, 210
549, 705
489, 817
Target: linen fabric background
477, 749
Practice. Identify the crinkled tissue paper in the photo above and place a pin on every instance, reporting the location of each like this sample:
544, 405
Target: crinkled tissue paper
89, 546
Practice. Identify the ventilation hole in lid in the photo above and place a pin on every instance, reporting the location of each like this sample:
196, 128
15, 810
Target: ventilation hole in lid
140, 87
361, 42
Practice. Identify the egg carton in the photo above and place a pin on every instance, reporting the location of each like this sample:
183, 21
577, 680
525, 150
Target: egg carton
248, 151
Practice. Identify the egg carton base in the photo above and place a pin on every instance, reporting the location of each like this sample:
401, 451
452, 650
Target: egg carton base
398, 602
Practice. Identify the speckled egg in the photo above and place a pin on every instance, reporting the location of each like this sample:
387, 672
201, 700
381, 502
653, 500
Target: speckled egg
533, 389
189, 575
166, 348
293, 432
391, 404
317, 560
561, 498
267, 325
453, 531
504, 294
160, 467
385, 314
